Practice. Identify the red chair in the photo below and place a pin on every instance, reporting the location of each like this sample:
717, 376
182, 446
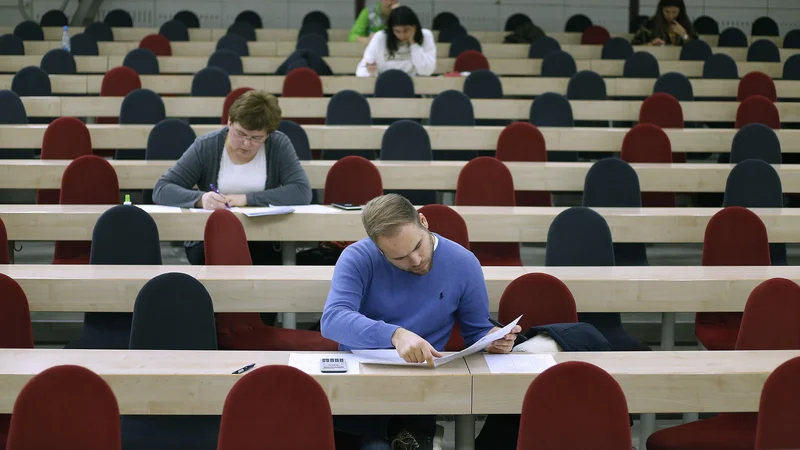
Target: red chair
15, 326
597, 416
521, 141
595, 35
226, 244
486, 181
303, 82
229, 99
757, 83
64, 138
758, 109
771, 322
278, 405
648, 143
664, 110
469, 61
735, 236
88, 180
778, 412
157, 44
5, 258
65, 407
540, 298
352, 179
117, 82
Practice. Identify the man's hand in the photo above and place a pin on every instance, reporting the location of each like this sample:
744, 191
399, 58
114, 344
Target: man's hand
236, 200
413, 348
504, 344
212, 200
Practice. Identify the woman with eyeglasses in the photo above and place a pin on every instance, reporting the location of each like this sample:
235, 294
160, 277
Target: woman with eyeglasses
246, 163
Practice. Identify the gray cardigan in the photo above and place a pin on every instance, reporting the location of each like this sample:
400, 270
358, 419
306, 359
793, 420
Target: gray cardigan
287, 182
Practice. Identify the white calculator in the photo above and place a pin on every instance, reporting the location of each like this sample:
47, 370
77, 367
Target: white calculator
333, 365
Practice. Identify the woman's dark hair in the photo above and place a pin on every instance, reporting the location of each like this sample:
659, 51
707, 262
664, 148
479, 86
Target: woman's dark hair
660, 24
402, 15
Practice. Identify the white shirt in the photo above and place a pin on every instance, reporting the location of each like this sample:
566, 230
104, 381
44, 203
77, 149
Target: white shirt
242, 178
412, 59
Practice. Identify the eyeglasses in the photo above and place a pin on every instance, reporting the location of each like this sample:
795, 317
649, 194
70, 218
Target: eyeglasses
245, 138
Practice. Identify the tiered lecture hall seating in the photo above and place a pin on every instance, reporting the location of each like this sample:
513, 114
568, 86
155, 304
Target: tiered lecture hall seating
694, 215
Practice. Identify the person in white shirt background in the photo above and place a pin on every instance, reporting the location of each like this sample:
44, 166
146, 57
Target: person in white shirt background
403, 45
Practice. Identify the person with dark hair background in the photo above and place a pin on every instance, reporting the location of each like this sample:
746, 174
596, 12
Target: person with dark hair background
669, 26
403, 45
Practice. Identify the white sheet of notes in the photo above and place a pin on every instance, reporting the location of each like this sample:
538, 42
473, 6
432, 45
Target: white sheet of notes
519, 362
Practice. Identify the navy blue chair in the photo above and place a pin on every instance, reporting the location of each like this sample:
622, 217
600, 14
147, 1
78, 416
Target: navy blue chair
54, 18
641, 65
617, 48
732, 37
483, 83
394, 84
579, 236
613, 183
31, 81
174, 30
173, 311
695, 50
234, 43
765, 26
211, 82
452, 108
348, 107
792, 39
553, 110
189, 18
754, 183
314, 43
317, 17
226, 60
100, 31
299, 138
243, 29
250, 17
58, 62
140, 107
791, 68
140, 246
763, 50
721, 66
577, 24
406, 140
118, 18
11, 45
586, 85
83, 44
756, 141
29, 31
167, 141
543, 46
142, 60
559, 64
452, 32
444, 20
313, 28
13, 112
517, 20
705, 25
463, 43
675, 84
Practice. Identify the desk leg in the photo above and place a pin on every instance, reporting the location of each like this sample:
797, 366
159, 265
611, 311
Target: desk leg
289, 254
690, 417
465, 432
647, 424
667, 331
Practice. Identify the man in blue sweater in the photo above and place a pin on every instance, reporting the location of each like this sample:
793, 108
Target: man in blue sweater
403, 288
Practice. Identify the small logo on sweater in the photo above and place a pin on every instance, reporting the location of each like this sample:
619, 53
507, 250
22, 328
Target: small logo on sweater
441, 295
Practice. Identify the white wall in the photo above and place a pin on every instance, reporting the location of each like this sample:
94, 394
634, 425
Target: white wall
475, 14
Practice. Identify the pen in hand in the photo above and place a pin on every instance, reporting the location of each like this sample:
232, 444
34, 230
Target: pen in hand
216, 191
496, 323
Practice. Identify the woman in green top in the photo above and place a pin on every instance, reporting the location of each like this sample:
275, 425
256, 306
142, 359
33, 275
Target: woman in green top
371, 20
669, 26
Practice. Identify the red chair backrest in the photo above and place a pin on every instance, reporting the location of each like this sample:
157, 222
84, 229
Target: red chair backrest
4, 256
521, 141
595, 35
663, 110
278, 405
157, 44
485, 181
470, 60
757, 83
15, 316
648, 143
65, 407
445, 221
771, 319
597, 416
352, 179
89, 180
735, 236
778, 412
118, 82
229, 99
540, 298
64, 138
302, 82
758, 109
225, 240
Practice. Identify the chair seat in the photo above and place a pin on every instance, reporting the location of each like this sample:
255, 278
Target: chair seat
718, 331
264, 337
154, 432
496, 254
735, 431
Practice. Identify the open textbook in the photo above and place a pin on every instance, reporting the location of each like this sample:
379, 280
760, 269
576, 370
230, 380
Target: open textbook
391, 358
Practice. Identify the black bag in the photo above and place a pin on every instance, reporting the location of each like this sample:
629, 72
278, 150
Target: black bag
524, 34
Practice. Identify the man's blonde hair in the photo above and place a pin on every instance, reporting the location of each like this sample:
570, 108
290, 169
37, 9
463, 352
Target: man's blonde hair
385, 215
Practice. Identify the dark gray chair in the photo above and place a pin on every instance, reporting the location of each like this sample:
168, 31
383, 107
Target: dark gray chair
705, 25
313, 28
394, 84
792, 39
721, 66
189, 18
542, 47
251, 18
452, 108
58, 62
756, 141
143, 61
243, 29
175, 30
444, 20
29, 31
226, 60
140, 107
695, 50
118, 18
13, 112
677, 85
31, 81
765, 26
299, 139
348, 107
577, 24
617, 48
406, 140
559, 64
317, 17
11, 45
588, 85
234, 43
100, 31
54, 18
463, 43
763, 50
315, 43
83, 44
732, 37
517, 20
450, 33
483, 83
641, 65
791, 68
553, 110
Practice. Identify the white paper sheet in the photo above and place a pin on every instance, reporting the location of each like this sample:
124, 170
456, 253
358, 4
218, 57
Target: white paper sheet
315, 209
159, 208
519, 362
200, 210
253, 211
309, 362
390, 357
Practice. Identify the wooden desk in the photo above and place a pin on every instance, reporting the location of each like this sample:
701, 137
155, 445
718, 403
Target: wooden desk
325, 137
197, 382
601, 110
485, 224
302, 289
